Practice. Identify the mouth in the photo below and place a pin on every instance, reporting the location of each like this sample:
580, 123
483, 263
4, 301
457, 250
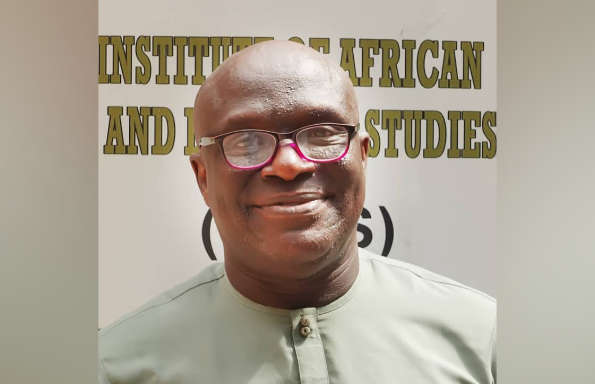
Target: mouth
303, 203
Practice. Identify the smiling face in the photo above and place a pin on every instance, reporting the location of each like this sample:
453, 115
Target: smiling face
291, 218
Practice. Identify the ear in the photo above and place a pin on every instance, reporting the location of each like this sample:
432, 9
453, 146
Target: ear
200, 172
364, 143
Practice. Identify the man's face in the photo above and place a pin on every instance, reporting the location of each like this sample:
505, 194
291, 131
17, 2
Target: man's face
293, 215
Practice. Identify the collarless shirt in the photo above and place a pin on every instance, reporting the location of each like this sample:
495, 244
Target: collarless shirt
398, 323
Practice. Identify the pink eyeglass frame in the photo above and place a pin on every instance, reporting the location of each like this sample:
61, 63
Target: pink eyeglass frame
351, 130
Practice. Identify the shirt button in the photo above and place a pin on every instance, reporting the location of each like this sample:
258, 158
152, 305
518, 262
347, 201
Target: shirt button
305, 331
304, 322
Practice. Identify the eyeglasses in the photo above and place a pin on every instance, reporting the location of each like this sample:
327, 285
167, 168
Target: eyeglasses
248, 149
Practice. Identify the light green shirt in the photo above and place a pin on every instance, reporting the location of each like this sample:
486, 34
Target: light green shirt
398, 323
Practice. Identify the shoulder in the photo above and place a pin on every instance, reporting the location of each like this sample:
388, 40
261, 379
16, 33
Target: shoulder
153, 335
432, 298
166, 307
413, 273
406, 273
437, 307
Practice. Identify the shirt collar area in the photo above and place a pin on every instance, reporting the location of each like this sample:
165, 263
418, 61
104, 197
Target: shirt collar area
336, 304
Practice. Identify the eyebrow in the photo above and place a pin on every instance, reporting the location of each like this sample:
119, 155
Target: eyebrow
328, 114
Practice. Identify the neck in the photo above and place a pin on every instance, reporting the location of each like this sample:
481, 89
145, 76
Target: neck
319, 288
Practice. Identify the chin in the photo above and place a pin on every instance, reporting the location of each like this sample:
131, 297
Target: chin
303, 247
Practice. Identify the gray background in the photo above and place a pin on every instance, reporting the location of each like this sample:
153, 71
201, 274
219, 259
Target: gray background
48, 205
48, 189
546, 189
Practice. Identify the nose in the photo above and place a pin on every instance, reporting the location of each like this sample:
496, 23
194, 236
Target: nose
287, 163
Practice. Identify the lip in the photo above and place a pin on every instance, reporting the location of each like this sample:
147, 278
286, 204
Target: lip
292, 198
295, 203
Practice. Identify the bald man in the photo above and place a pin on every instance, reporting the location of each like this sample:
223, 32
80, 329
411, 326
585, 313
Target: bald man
282, 167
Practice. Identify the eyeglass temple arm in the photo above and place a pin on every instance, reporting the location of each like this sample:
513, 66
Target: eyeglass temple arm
205, 141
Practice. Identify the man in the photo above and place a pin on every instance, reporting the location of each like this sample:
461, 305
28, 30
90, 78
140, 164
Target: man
281, 167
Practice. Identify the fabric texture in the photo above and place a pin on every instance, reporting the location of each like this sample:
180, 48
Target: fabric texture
398, 323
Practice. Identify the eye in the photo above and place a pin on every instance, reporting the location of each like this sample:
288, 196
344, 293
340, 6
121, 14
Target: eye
323, 131
247, 143
242, 140
323, 135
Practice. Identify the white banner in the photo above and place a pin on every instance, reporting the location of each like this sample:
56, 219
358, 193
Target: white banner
425, 77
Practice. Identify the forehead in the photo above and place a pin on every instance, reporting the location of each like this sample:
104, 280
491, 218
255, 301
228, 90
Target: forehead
276, 92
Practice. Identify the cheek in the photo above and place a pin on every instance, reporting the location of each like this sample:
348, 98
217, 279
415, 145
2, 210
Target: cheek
225, 191
350, 189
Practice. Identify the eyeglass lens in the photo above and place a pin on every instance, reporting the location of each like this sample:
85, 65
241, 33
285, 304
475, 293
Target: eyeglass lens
253, 148
323, 142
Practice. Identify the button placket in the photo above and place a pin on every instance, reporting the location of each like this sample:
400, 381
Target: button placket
308, 347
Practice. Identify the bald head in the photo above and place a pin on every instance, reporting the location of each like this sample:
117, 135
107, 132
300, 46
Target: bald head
279, 76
